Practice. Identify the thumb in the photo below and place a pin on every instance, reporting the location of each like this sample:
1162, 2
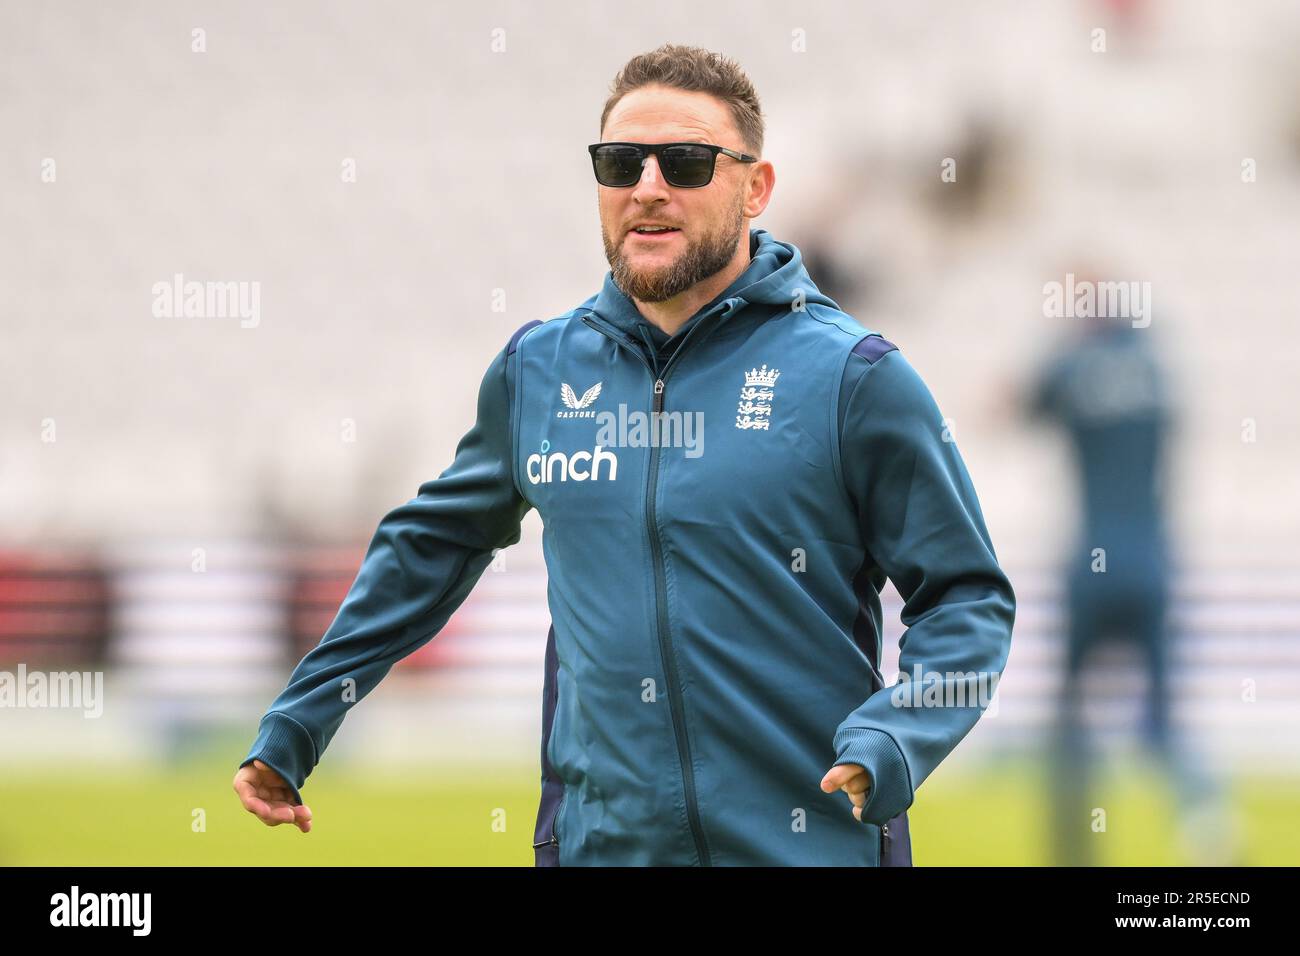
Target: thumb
839, 775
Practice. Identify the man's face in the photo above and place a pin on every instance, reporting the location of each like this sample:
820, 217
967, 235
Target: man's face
709, 221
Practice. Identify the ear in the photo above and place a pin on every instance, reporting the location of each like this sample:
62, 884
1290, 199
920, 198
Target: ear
762, 180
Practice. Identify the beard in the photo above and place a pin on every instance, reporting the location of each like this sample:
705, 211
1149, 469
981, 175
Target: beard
703, 257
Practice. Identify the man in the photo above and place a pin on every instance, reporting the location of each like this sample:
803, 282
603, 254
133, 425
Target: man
1107, 390
711, 670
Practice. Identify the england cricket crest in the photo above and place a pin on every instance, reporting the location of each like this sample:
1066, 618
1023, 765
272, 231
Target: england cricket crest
755, 407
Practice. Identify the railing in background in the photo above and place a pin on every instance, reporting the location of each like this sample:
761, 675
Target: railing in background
186, 648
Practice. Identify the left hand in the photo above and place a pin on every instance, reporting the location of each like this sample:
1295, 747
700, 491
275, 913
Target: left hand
854, 780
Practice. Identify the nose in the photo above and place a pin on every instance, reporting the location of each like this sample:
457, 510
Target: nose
651, 186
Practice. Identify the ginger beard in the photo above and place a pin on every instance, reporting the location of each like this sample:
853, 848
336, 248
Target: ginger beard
705, 255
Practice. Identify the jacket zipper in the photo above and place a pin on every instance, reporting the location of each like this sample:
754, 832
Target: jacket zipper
555, 818
666, 654
884, 844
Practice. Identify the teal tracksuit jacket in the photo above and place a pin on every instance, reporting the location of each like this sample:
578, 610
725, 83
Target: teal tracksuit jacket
720, 510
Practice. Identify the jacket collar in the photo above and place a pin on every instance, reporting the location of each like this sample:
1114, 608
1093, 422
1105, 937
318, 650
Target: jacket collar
774, 276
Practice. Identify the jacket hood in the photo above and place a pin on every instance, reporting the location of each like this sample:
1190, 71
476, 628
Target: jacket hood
775, 276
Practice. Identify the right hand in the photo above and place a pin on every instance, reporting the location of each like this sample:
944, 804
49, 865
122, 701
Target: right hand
264, 793
854, 780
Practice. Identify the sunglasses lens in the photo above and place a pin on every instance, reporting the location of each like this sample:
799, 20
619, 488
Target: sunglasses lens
617, 165
687, 165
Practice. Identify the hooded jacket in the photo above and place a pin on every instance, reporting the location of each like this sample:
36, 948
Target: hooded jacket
720, 512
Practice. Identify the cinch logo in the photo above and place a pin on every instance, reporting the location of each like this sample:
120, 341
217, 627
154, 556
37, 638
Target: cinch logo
571, 400
543, 467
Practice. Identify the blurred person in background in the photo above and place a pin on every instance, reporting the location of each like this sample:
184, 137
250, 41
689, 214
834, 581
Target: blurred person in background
1106, 389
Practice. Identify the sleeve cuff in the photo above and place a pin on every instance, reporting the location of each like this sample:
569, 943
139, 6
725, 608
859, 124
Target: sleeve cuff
891, 783
286, 747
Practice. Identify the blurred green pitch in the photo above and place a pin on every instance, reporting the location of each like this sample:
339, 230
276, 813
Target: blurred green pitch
142, 816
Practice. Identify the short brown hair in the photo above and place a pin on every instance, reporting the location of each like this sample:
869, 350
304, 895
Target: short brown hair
696, 70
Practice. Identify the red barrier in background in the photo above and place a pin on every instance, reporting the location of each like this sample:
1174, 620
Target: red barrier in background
54, 608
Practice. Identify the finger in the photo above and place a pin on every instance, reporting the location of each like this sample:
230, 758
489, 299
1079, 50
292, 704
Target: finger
838, 775
859, 784
302, 817
271, 813
258, 808
277, 813
252, 804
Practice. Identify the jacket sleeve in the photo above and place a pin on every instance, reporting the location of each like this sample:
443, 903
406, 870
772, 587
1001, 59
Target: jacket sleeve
421, 563
921, 525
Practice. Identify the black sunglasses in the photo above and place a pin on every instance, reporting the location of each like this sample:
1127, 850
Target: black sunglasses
686, 165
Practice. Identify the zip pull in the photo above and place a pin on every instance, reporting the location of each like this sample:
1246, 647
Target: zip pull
884, 842
659, 395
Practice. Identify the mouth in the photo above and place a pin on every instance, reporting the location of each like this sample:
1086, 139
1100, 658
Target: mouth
653, 232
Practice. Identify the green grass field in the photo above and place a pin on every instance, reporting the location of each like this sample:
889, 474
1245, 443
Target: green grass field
139, 817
